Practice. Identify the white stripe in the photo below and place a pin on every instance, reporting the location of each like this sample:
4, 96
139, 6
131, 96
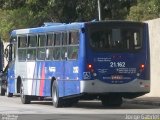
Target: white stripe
30, 73
22, 31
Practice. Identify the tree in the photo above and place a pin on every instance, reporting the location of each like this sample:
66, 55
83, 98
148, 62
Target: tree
116, 9
144, 10
32, 13
15, 19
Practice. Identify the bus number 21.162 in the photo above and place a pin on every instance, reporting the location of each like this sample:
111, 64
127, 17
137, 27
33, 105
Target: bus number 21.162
117, 64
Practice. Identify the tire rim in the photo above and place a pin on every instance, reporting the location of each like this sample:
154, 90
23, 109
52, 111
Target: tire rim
55, 97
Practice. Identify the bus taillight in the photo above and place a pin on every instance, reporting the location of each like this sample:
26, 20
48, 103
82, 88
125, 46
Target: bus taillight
142, 67
90, 67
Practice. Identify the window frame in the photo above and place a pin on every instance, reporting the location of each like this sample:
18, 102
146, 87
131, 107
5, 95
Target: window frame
63, 42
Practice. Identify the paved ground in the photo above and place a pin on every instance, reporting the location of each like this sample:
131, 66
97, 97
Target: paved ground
134, 109
145, 101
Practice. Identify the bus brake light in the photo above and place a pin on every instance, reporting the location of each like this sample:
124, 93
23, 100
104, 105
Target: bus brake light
90, 67
142, 66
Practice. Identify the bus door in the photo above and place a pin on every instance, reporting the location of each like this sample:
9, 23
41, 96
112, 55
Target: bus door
10, 53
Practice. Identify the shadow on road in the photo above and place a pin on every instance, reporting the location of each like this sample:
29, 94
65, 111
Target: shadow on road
98, 105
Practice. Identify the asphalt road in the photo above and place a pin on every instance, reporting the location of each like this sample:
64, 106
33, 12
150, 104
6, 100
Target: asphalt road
84, 110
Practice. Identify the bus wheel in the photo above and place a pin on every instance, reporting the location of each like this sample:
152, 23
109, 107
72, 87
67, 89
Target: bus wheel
57, 102
112, 101
25, 99
3, 91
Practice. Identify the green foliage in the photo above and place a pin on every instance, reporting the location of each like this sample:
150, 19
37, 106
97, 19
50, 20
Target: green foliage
16, 14
144, 10
14, 19
116, 9
5, 26
12, 4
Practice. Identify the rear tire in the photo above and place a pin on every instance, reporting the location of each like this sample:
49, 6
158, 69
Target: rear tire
25, 99
57, 102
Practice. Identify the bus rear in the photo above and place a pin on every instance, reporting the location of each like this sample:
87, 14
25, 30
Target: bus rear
117, 61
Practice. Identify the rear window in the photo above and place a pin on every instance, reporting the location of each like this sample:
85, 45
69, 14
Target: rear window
116, 39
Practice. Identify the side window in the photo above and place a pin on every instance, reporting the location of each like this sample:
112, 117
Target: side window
22, 41
50, 44
63, 52
32, 44
73, 45
64, 38
31, 54
22, 44
57, 53
57, 39
42, 39
22, 54
49, 54
50, 39
64, 45
32, 41
73, 52
41, 53
73, 37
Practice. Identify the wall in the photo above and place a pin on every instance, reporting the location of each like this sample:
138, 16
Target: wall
154, 35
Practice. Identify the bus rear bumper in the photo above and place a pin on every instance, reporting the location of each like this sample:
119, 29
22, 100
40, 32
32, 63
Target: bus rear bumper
97, 86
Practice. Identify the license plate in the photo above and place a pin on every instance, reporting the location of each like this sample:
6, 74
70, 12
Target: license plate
116, 77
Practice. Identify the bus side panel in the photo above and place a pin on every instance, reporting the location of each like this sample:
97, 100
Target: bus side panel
25, 70
71, 78
147, 71
74, 69
82, 55
52, 69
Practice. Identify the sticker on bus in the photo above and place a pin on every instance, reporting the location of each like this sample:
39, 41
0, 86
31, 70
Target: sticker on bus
86, 75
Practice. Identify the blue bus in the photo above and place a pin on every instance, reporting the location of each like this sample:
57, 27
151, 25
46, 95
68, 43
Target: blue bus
104, 60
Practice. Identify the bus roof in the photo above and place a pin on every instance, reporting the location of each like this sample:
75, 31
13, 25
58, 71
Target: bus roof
49, 27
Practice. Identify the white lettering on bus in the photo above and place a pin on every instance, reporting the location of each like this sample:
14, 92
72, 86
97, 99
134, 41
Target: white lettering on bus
75, 69
52, 69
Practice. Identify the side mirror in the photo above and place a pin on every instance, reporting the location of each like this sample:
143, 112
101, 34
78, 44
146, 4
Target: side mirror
6, 52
